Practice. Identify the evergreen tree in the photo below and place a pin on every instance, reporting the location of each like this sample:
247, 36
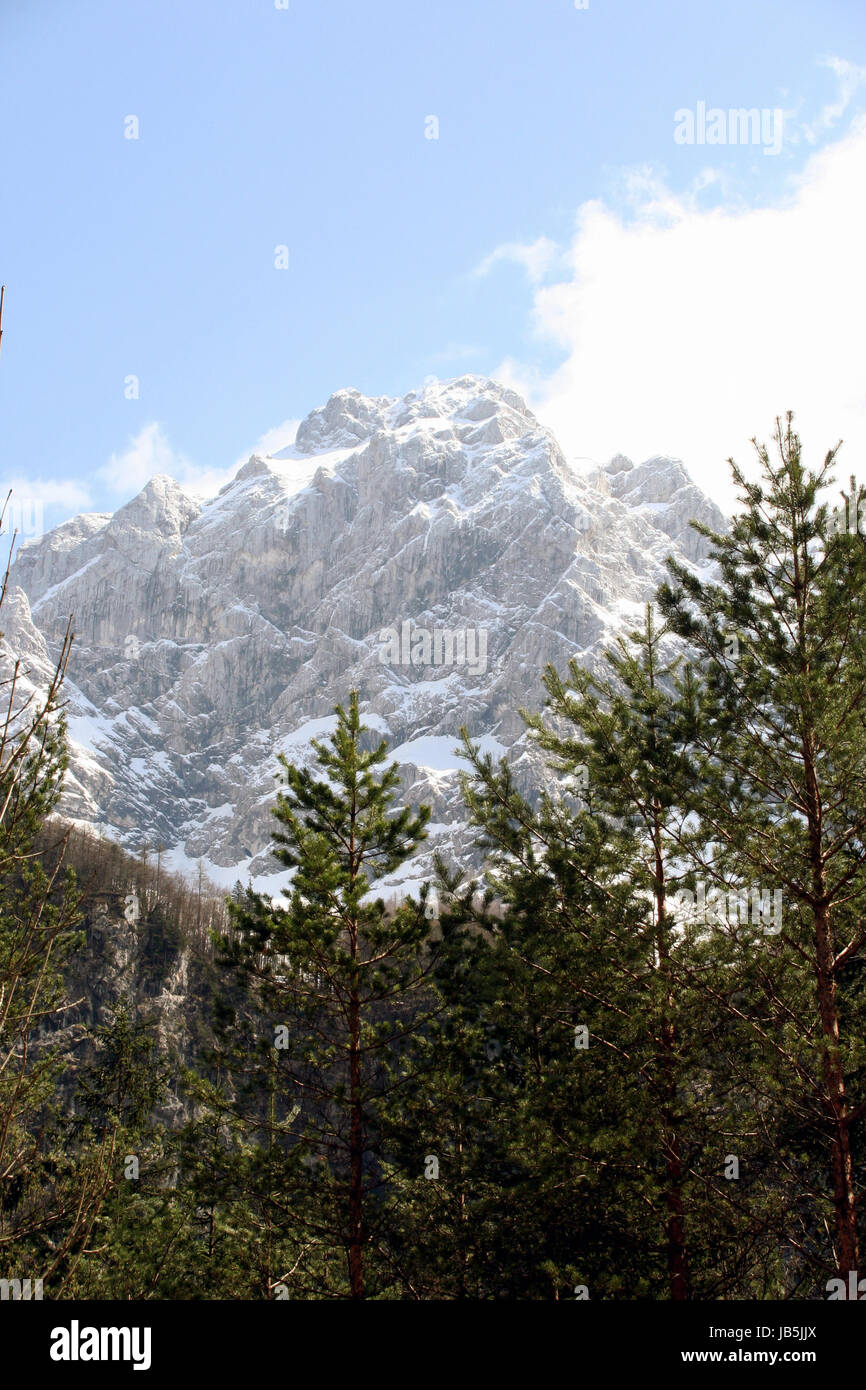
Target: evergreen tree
537, 1077
453, 1226
338, 982
630, 735
610, 1162
622, 734
780, 745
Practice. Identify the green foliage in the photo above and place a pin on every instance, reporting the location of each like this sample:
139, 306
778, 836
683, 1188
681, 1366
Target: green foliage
332, 986
779, 749
568, 1074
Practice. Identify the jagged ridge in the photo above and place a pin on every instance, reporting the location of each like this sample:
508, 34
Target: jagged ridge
209, 638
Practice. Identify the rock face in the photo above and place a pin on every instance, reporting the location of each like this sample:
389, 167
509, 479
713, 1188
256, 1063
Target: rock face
124, 960
210, 639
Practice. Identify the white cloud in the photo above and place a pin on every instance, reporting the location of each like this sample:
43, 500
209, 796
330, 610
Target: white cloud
50, 492
146, 454
149, 453
272, 441
37, 504
850, 78
537, 259
687, 330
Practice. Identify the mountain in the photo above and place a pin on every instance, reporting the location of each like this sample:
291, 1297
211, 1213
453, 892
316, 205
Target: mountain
210, 638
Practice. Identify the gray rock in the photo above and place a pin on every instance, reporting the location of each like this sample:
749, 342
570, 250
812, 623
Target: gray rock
211, 638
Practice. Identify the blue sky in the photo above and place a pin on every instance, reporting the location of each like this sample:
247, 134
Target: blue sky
641, 292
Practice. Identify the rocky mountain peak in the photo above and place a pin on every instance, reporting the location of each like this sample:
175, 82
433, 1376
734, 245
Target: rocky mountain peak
255, 467
346, 419
619, 464
657, 479
433, 552
162, 507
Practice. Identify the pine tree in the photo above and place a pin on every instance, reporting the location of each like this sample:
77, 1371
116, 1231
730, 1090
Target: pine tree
455, 1227
622, 734
339, 982
541, 974
631, 737
612, 1171
781, 748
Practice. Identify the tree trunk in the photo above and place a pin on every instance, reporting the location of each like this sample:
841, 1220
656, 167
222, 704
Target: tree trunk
836, 1103
678, 1272
835, 1098
676, 1225
356, 1154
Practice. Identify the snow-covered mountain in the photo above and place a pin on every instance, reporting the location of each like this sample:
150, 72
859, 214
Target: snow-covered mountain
211, 638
